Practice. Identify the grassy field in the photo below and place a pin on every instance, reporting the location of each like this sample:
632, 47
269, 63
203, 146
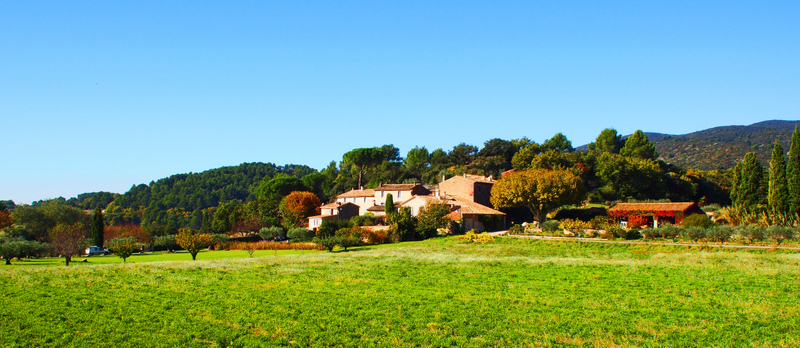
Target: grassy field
435, 293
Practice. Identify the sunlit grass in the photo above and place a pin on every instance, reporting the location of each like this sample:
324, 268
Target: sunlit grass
432, 293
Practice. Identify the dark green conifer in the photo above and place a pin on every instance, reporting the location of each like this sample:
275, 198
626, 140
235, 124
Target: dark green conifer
778, 193
793, 173
389, 207
97, 227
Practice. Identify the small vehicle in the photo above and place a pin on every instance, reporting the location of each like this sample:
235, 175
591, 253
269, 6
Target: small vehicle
96, 250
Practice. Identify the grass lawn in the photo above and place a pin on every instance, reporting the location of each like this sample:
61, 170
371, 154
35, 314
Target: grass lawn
435, 293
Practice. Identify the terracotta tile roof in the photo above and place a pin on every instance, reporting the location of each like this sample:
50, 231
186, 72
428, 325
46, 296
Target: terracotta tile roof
676, 207
479, 178
357, 193
396, 187
380, 207
470, 207
336, 205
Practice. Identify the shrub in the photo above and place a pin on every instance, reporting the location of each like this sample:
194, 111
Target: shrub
403, 225
272, 233
473, 237
328, 228
300, 234
123, 247
697, 220
348, 241
669, 231
328, 242
719, 234
431, 218
693, 234
637, 221
264, 245
167, 242
752, 233
371, 237
632, 235
576, 226
603, 222
778, 234
550, 226
367, 219
218, 238
650, 233
516, 229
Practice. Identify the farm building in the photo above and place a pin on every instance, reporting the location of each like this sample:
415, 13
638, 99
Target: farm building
655, 213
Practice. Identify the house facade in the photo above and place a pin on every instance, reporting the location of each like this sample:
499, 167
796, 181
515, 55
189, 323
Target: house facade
466, 195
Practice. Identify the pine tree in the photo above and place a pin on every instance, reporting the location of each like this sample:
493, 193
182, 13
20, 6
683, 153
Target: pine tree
778, 193
389, 207
97, 227
637, 145
793, 173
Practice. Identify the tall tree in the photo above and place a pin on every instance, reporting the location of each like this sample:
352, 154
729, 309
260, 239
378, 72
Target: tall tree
388, 207
97, 227
750, 191
540, 190
363, 158
793, 173
417, 161
608, 141
637, 145
778, 197
558, 142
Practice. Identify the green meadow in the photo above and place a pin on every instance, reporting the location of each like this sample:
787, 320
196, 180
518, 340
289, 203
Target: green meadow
436, 293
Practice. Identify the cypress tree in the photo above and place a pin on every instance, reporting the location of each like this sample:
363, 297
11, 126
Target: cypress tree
778, 192
793, 173
97, 227
389, 207
750, 189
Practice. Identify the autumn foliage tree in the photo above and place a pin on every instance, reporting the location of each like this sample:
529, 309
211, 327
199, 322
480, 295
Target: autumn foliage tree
68, 240
540, 190
192, 241
298, 206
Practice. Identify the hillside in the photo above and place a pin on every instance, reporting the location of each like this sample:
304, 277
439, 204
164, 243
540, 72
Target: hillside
722, 147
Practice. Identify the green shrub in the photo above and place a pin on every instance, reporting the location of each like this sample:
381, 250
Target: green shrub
349, 241
669, 231
403, 225
650, 233
328, 242
550, 226
751, 233
778, 234
300, 234
516, 229
166, 242
697, 220
693, 234
719, 234
364, 220
632, 235
272, 233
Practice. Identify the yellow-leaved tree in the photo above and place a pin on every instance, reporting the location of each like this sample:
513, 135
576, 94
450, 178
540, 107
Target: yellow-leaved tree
541, 190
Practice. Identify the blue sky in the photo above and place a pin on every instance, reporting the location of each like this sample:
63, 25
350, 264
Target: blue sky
98, 96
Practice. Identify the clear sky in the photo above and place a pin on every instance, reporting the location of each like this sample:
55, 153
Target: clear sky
99, 96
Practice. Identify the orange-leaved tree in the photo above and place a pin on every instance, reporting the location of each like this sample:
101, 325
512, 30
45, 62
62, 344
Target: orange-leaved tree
298, 206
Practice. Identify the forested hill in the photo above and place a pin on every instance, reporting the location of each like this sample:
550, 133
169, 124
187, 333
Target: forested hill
722, 147
183, 197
